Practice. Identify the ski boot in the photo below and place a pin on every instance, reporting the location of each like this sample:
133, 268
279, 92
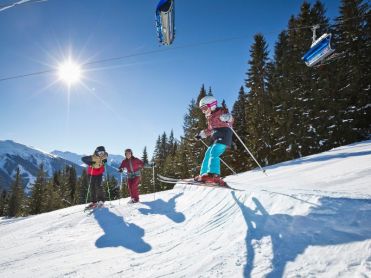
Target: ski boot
91, 206
212, 179
133, 201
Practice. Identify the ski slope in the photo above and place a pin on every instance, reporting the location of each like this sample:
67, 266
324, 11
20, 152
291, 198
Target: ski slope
309, 217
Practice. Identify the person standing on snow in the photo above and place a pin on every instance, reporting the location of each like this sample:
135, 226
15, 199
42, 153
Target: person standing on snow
133, 166
219, 121
95, 171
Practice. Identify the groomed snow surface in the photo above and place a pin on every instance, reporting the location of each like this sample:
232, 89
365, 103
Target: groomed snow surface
309, 217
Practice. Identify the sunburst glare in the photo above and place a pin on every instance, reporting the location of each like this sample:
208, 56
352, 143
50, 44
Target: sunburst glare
69, 72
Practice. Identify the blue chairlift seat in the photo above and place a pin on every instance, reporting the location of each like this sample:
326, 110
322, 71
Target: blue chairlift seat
319, 50
165, 18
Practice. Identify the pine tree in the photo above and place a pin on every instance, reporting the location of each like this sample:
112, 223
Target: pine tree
278, 77
68, 186
50, 199
84, 182
209, 93
182, 168
4, 199
172, 144
258, 108
38, 192
146, 178
57, 182
323, 90
72, 185
203, 93
164, 147
16, 200
157, 156
239, 159
145, 156
352, 35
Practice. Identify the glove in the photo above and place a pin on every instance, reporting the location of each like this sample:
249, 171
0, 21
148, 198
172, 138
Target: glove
226, 118
104, 161
201, 135
120, 170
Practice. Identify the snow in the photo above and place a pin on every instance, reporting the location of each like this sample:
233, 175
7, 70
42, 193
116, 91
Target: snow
310, 217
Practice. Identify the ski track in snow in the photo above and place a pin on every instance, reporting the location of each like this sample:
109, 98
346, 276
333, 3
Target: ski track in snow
309, 217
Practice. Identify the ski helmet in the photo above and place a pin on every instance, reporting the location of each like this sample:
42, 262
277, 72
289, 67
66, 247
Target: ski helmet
99, 149
208, 101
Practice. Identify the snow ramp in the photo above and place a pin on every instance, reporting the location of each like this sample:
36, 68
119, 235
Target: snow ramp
309, 217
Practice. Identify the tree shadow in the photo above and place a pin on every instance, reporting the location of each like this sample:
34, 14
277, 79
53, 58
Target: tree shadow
334, 221
117, 232
161, 207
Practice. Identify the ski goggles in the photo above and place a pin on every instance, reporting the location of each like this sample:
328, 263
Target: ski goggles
101, 153
207, 106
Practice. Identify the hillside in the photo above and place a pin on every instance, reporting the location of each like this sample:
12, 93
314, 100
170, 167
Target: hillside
309, 217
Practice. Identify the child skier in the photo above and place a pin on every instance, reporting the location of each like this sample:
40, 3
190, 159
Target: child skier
133, 166
218, 123
95, 171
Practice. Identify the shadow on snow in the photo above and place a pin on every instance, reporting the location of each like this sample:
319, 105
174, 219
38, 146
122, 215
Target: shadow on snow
161, 207
334, 221
117, 232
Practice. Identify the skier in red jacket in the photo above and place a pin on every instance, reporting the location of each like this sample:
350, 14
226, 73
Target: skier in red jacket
133, 166
95, 171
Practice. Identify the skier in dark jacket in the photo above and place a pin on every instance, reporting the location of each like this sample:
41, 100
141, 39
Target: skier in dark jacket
95, 172
133, 166
219, 122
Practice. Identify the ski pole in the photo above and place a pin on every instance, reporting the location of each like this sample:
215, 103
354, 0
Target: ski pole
87, 193
203, 142
238, 137
120, 188
108, 189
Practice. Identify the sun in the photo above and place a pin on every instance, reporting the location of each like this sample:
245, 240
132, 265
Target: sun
69, 72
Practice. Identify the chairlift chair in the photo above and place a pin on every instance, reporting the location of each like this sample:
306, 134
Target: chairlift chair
165, 18
320, 49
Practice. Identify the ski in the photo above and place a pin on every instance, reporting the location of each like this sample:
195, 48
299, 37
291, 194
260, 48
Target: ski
197, 183
90, 209
171, 179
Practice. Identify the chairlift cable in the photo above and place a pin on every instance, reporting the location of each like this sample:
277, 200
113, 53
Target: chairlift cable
192, 45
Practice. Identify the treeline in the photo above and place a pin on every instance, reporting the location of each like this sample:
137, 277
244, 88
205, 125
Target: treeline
62, 190
285, 109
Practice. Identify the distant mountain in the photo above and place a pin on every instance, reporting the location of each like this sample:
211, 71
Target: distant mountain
113, 160
28, 159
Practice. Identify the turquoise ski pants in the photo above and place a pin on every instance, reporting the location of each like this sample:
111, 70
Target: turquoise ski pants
211, 162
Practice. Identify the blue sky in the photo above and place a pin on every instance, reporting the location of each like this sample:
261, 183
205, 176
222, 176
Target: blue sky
125, 103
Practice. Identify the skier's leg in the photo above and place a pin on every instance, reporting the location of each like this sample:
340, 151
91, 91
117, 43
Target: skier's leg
130, 187
94, 186
135, 190
100, 191
205, 162
214, 162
